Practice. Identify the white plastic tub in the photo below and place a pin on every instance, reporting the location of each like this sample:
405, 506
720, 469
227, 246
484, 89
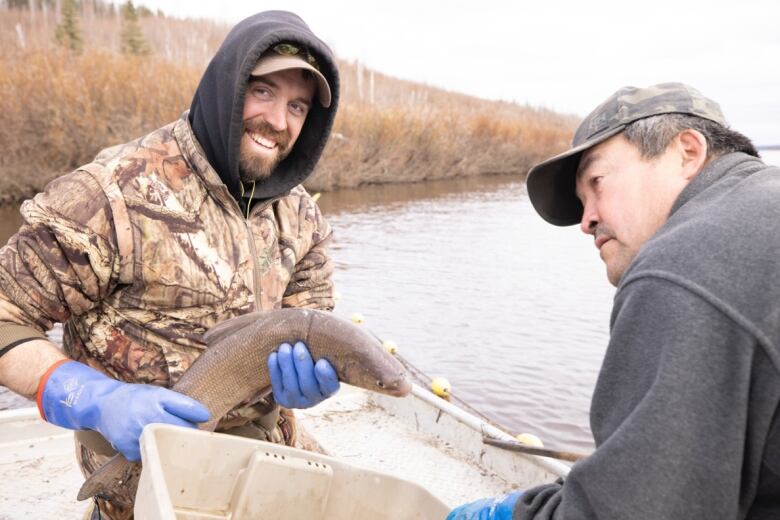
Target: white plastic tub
195, 475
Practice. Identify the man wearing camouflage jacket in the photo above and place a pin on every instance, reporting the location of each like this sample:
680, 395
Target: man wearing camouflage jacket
143, 250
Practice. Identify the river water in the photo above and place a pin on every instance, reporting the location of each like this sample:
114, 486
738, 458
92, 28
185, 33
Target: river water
473, 286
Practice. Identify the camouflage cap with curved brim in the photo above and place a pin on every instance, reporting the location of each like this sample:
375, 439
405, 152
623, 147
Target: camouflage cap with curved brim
280, 58
551, 184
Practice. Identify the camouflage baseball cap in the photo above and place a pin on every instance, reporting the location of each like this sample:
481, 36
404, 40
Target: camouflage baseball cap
551, 184
285, 56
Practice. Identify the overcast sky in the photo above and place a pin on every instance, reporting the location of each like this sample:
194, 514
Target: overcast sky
564, 55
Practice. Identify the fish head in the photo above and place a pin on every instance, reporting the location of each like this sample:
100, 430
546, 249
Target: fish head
380, 373
357, 355
392, 379
399, 387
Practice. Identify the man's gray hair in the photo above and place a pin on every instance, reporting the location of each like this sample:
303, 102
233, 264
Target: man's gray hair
653, 134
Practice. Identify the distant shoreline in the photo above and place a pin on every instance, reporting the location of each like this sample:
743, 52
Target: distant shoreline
62, 106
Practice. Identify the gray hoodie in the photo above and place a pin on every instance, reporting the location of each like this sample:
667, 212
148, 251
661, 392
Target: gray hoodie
685, 411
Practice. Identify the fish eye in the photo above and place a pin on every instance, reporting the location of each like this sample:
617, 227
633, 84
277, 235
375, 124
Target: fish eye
380, 384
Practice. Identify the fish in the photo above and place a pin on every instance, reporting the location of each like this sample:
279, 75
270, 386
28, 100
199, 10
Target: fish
234, 368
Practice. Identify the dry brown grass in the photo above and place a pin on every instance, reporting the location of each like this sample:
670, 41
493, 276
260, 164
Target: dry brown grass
59, 109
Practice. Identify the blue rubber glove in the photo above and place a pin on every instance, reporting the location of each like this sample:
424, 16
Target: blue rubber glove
79, 397
499, 508
296, 381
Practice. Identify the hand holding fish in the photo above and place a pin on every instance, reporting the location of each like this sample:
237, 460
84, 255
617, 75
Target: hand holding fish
235, 366
79, 397
296, 380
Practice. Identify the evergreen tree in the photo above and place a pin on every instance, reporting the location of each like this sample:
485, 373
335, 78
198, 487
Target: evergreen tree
133, 41
143, 11
15, 4
67, 32
101, 8
25, 4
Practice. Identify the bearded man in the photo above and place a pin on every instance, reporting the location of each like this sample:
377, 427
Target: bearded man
143, 250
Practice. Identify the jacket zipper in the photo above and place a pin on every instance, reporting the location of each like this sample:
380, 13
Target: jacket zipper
253, 249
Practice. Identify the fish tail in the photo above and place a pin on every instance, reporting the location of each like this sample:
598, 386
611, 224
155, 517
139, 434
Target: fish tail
116, 478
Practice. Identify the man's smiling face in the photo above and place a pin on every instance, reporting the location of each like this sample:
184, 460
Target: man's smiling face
275, 109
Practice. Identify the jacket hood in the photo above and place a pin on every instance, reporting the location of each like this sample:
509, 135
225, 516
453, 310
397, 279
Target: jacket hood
216, 113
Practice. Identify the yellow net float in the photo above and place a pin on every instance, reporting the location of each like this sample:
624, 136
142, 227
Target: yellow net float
441, 387
390, 346
529, 439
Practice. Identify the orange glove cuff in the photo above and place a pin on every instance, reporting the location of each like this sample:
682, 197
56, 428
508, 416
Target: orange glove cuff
42, 385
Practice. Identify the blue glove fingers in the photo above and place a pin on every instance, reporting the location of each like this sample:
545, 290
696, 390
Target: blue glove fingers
296, 380
277, 381
289, 375
500, 508
471, 511
326, 377
131, 449
184, 407
507, 506
135, 406
275, 372
287, 392
307, 382
130, 446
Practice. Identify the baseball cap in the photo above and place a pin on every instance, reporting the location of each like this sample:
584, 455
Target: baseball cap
284, 56
551, 184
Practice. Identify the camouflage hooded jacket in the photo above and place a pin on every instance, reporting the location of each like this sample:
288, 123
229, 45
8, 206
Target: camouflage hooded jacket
143, 250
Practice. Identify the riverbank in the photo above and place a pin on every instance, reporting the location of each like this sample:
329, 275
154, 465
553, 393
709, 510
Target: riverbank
60, 108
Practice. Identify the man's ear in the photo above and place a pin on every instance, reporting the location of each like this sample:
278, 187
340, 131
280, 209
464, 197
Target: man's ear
693, 152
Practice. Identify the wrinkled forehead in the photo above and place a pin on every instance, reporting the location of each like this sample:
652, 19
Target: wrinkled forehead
591, 158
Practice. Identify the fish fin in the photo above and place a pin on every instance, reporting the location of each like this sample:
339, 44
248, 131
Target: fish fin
229, 327
118, 471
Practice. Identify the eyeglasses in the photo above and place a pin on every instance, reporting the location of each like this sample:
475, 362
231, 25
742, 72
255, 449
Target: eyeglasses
288, 49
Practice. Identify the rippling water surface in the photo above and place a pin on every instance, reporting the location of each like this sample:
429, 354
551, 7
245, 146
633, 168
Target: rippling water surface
475, 287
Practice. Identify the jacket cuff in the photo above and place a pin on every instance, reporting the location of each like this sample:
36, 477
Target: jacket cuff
13, 333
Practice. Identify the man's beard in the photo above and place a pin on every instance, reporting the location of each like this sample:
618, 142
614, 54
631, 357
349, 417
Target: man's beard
254, 167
